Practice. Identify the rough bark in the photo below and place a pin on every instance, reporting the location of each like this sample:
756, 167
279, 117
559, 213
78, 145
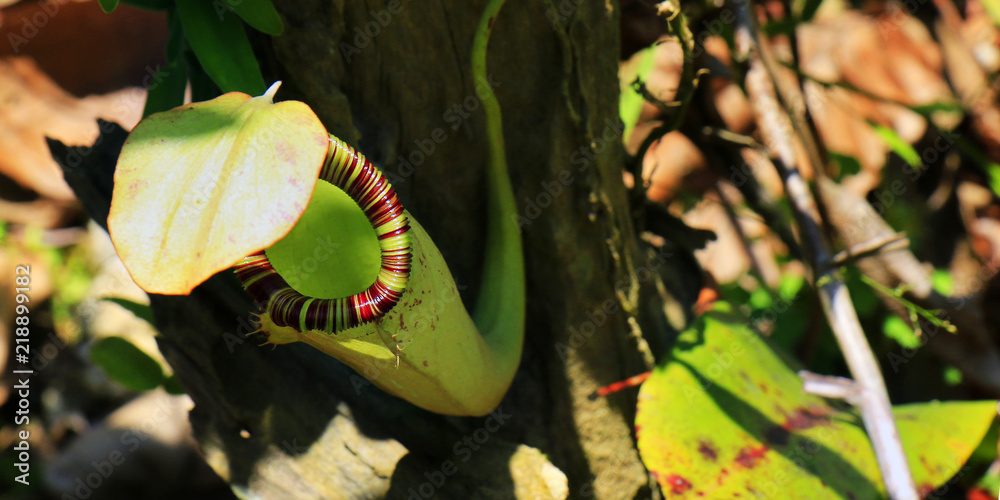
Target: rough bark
291, 422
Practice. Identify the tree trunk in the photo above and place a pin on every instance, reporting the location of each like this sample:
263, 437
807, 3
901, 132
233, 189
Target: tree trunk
291, 422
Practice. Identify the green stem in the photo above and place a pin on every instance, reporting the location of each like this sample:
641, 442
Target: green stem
897, 294
499, 313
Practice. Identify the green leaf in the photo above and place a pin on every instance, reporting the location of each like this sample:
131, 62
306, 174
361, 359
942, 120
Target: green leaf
984, 456
780, 27
734, 293
630, 102
173, 386
176, 42
259, 14
316, 265
809, 10
167, 89
942, 281
790, 285
726, 417
222, 47
952, 375
939, 437
126, 364
202, 86
141, 311
897, 144
926, 110
108, 6
760, 298
846, 165
895, 328
993, 172
150, 4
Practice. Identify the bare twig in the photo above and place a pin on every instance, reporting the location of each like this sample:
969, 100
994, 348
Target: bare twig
880, 244
790, 95
665, 107
829, 387
872, 398
731, 137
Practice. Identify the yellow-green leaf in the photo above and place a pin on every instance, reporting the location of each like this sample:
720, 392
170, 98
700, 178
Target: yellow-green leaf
939, 437
726, 417
199, 187
630, 103
897, 144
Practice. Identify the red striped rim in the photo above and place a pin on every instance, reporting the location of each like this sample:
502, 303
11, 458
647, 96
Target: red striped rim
350, 171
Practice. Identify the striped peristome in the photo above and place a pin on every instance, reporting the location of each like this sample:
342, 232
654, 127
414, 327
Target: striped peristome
350, 171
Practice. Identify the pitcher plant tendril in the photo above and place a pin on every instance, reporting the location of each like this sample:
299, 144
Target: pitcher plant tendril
350, 171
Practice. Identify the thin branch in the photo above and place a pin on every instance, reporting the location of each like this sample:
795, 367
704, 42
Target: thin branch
640, 88
872, 398
730, 137
829, 387
880, 244
791, 97
897, 294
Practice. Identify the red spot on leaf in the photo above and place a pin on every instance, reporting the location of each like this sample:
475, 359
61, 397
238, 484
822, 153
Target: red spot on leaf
425, 363
678, 484
750, 457
707, 451
806, 419
722, 474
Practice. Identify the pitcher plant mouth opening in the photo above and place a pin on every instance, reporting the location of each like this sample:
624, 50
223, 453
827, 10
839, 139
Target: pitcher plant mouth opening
346, 169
